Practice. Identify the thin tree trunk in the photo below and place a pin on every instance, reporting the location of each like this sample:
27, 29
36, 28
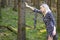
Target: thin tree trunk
21, 20
15, 5
3, 3
49, 3
36, 3
58, 14
0, 8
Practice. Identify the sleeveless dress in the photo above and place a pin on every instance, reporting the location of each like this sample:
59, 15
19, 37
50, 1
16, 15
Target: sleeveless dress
49, 21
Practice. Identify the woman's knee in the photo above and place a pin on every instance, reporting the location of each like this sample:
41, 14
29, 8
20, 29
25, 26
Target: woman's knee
50, 38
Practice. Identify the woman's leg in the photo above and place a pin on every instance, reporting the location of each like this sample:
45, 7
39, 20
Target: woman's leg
50, 38
55, 37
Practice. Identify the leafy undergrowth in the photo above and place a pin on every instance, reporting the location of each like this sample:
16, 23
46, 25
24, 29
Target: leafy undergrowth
9, 17
35, 34
6, 34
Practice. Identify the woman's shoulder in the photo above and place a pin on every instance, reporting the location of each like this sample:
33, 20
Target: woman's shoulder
50, 13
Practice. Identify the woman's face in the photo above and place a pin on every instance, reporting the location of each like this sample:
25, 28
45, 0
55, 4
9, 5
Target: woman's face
42, 9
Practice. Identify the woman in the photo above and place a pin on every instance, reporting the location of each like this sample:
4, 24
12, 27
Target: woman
48, 20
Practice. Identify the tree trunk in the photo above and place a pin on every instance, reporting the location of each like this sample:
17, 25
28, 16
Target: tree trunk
58, 14
36, 4
21, 20
15, 5
3, 3
0, 13
49, 3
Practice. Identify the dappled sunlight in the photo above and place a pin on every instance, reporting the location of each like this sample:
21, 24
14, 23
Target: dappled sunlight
43, 30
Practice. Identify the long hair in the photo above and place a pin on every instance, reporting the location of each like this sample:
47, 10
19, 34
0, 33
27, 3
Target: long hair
46, 7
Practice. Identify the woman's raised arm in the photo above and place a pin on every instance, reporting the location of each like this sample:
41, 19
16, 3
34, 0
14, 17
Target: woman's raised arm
32, 8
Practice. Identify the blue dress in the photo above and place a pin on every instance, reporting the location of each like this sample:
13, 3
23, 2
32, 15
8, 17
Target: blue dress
49, 21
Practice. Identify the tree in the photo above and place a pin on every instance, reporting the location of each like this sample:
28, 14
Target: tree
49, 3
0, 13
15, 5
21, 20
8, 3
3, 3
36, 4
58, 13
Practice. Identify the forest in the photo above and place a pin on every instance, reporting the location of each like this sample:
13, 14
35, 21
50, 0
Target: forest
17, 22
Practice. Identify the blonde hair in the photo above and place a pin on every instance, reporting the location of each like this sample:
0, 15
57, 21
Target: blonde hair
46, 7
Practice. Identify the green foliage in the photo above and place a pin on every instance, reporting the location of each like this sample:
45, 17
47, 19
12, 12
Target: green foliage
5, 34
9, 17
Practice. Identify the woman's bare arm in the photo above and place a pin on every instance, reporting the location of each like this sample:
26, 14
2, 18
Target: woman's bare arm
32, 8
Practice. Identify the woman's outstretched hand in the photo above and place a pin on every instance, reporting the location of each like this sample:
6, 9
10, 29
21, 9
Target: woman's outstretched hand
32, 8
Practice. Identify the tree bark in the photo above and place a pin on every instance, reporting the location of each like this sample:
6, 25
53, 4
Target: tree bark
58, 14
3, 3
21, 20
0, 8
36, 4
15, 5
49, 3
